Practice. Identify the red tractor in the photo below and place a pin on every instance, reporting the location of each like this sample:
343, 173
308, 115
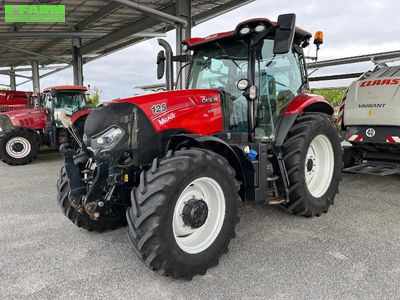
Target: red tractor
15, 100
24, 131
176, 165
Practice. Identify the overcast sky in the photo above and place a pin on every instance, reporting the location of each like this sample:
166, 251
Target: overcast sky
350, 28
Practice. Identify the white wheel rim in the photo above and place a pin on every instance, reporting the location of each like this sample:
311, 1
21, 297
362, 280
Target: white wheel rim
18, 142
319, 166
196, 240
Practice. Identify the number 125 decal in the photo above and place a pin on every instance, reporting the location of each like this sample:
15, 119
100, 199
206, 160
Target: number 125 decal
157, 108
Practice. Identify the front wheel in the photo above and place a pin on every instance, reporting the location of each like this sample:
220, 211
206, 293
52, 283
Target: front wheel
18, 147
313, 160
184, 212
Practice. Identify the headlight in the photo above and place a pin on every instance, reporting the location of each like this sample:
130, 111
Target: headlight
107, 139
260, 28
5, 123
245, 30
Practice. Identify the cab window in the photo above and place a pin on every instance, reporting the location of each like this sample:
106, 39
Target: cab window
220, 66
279, 79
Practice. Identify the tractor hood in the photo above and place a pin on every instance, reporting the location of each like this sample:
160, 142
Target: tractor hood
184, 109
142, 124
31, 118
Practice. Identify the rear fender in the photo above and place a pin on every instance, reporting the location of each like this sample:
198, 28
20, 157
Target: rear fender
79, 114
216, 145
303, 103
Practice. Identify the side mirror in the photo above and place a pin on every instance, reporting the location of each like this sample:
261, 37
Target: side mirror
53, 93
160, 64
284, 34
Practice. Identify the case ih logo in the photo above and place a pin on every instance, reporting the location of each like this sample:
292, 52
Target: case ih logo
380, 82
208, 100
36, 13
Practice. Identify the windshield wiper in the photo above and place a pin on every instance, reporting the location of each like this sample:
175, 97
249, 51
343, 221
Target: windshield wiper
227, 54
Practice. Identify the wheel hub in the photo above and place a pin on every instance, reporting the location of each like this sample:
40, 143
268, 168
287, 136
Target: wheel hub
18, 147
310, 164
195, 213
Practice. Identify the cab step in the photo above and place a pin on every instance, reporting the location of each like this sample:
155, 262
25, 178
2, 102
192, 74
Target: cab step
274, 201
272, 178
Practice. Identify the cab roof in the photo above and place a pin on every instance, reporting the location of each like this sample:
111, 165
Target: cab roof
300, 34
66, 87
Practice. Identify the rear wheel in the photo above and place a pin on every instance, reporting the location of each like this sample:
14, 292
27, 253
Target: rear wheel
184, 212
113, 219
313, 159
18, 147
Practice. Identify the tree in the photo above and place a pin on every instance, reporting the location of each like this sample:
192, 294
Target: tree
332, 96
94, 97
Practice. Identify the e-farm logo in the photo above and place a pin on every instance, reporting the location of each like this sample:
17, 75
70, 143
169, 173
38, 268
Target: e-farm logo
34, 13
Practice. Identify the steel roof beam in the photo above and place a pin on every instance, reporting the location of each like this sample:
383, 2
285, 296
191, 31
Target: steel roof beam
34, 53
158, 14
98, 14
46, 74
335, 77
220, 10
124, 32
355, 59
13, 83
13, 74
46, 34
30, 69
68, 34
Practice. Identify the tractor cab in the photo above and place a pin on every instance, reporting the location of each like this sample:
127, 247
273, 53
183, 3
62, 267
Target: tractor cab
225, 66
258, 68
63, 99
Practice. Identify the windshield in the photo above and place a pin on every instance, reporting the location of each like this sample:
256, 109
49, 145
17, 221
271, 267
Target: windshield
220, 66
70, 102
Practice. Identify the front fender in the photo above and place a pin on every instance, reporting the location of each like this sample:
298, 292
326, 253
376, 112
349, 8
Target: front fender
214, 144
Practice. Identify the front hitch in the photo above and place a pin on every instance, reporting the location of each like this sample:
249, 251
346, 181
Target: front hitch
91, 200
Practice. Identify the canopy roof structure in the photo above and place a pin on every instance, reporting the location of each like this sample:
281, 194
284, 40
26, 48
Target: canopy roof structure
94, 28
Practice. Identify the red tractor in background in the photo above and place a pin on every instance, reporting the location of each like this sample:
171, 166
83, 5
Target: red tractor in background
15, 100
176, 165
24, 131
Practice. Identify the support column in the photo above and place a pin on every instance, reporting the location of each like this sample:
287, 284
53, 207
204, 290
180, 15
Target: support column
13, 84
183, 10
77, 62
35, 77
